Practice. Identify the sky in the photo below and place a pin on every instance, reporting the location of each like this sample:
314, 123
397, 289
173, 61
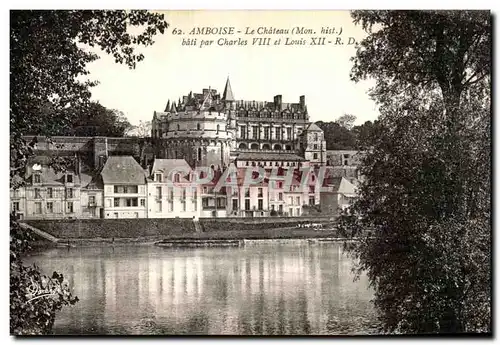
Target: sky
171, 69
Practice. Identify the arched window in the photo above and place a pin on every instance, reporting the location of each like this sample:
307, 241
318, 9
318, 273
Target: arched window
218, 127
176, 178
254, 146
242, 146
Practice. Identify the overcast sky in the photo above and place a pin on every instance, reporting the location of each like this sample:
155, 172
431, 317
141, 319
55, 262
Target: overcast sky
171, 70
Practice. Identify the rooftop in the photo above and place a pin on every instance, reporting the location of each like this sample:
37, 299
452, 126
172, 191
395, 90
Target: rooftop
122, 170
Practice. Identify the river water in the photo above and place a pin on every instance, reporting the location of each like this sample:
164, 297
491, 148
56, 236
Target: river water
258, 289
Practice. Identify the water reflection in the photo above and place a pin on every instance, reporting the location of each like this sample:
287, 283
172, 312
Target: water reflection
265, 289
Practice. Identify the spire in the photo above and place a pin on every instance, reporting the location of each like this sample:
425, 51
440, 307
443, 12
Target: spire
228, 92
167, 108
173, 109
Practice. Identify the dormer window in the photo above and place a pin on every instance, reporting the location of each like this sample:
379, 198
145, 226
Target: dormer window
69, 178
158, 177
176, 178
37, 178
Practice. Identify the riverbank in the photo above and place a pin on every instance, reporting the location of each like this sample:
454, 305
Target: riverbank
278, 234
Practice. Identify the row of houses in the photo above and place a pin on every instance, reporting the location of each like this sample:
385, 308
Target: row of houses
170, 188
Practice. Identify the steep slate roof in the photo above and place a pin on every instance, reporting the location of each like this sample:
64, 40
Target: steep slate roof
340, 185
169, 165
122, 170
269, 156
313, 128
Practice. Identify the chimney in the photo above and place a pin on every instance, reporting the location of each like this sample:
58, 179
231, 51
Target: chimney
302, 102
277, 100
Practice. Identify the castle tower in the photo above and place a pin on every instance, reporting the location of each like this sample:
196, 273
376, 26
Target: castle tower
230, 108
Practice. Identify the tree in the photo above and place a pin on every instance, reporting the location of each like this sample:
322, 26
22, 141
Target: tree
142, 130
99, 121
336, 136
346, 121
365, 134
49, 51
426, 192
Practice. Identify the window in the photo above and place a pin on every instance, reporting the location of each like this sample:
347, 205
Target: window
158, 192
69, 193
266, 133
278, 133
117, 202
290, 200
183, 206
198, 126
298, 200
289, 133
37, 178
92, 199
315, 156
143, 202
247, 204
158, 177
311, 189
199, 153
280, 196
158, 205
311, 201
172, 194
247, 192
315, 146
280, 209
131, 202
70, 206
290, 212
38, 208
195, 205
176, 178
15, 206
280, 184
260, 193
50, 207
69, 178
50, 193
235, 204
183, 194
260, 204
315, 136
178, 127
221, 202
116, 214
132, 189
37, 193
218, 127
171, 206
243, 132
255, 132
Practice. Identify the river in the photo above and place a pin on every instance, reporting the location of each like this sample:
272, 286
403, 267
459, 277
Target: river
262, 289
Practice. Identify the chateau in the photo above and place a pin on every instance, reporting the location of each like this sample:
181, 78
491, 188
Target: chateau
210, 129
135, 177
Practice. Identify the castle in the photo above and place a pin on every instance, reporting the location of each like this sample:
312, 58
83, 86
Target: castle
213, 130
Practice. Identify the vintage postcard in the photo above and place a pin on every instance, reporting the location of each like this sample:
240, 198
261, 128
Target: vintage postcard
250, 172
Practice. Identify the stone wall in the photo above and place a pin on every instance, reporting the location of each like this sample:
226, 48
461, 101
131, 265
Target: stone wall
117, 228
260, 223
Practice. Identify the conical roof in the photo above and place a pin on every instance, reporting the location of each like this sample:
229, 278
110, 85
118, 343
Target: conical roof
167, 108
228, 92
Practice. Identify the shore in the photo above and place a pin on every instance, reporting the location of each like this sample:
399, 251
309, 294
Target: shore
203, 239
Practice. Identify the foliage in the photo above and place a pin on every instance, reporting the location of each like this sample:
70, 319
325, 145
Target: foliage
346, 121
426, 191
34, 298
49, 52
336, 136
142, 130
99, 121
